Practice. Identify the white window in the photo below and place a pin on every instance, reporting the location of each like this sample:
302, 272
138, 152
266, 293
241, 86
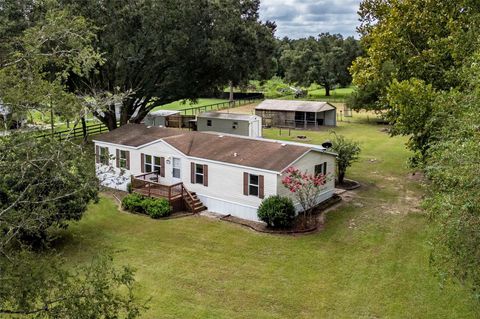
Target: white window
122, 161
253, 185
176, 168
198, 174
104, 156
152, 164
321, 169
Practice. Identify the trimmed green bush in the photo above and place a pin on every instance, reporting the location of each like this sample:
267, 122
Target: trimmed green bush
277, 211
133, 203
156, 207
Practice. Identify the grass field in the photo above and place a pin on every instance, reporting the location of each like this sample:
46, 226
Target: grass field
318, 94
371, 261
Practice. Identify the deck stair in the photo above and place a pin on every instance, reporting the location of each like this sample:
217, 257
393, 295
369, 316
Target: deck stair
193, 202
148, 185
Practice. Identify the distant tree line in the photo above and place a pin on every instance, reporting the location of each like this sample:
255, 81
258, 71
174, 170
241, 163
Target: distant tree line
324, 60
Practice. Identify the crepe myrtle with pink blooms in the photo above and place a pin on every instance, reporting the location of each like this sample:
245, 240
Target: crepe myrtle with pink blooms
305, 186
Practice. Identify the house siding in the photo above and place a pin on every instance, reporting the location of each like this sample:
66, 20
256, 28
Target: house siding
224, 193
307, 164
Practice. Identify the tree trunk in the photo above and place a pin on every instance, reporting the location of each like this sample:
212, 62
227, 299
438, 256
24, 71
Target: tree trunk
327, 89
52, 121
111, 121
341, 177
230, 83
84, 129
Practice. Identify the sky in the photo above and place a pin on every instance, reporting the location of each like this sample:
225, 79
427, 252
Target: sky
302, 18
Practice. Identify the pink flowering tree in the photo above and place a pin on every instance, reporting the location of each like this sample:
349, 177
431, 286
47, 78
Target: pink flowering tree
306, 187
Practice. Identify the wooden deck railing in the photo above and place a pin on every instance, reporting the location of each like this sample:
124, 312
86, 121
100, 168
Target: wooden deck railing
147, 184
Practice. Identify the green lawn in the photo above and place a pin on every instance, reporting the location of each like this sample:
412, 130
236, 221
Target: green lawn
371, 261
181, 105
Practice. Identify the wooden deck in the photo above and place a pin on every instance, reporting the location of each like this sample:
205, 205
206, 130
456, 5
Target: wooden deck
178, 196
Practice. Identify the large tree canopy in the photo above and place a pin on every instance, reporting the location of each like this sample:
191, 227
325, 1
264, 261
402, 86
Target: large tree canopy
421, 65
162, 51
39, 56
427, 40
324, 60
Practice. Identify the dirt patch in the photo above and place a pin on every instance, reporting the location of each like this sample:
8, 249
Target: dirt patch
416, 176
244, 109
314, 224
348, 184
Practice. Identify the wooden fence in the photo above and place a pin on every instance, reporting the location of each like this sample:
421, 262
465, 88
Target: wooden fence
74, 133
77, 132
218, 106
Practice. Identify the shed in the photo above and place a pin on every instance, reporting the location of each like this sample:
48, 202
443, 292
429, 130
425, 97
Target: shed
9, 119
297, 114
230, 123
160, 117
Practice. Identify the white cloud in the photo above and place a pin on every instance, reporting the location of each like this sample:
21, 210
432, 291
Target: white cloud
302, 18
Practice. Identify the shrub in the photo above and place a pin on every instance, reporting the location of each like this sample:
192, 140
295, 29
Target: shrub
277, 211
156, 207
129, 188
133, 203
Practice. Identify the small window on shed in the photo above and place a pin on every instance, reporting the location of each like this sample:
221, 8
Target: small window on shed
235, 125
209, 122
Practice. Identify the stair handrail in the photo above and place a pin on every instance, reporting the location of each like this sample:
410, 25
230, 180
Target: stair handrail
189, 196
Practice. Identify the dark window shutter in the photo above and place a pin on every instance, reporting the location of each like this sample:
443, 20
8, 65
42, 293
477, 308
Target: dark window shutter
162, 166
261, 192
142, 163
325, 168
205, 175
117, 158
97, 154
245, 183
128, 160
192, 172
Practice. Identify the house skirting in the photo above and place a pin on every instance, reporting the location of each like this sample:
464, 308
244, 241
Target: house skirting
223, 207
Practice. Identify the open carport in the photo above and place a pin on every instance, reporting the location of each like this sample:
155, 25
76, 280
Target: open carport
297, 114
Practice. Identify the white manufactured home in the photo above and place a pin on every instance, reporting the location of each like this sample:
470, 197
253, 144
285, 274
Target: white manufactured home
226, 174
230, 123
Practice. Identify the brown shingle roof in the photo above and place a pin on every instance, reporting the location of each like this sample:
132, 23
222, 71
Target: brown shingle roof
136, 134
273, 156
